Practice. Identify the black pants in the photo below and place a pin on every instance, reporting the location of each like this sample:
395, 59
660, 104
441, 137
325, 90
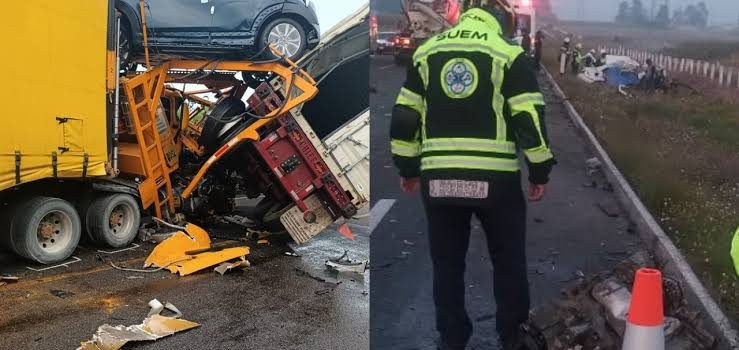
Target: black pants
504, 223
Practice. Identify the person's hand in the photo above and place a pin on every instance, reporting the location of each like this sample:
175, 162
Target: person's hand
410, 185
536, 192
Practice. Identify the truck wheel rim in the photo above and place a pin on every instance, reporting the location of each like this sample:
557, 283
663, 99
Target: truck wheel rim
54, 232
286, 38
120, 221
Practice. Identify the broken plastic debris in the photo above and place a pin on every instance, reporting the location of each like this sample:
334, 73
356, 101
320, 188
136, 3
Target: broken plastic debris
262, 241
152, 328
228, 266
344, 264
354, 267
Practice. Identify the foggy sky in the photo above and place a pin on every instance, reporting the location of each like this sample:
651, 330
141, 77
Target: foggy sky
721, 11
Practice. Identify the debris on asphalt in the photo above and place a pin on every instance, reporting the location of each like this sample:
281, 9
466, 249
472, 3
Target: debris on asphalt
154, 326
610, 208
593, 164
61, 294
7, 279
344, 264
301, 272
409, 243
189, 251
353, 267
538, 220
292, 254
228, 266
591, 313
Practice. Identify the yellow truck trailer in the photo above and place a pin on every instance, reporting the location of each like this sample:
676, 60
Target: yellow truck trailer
60, 78
88, 149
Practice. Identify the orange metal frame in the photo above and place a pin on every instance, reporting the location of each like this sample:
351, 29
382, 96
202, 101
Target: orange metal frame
301, 82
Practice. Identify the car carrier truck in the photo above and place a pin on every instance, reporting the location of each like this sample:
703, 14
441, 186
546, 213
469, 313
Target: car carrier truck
86, 151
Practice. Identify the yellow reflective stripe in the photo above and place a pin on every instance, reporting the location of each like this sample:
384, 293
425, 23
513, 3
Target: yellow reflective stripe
468, 144
422, 52
530, 98
405, 148
423, 71
498, 102
410, 99
468, 162
538, 155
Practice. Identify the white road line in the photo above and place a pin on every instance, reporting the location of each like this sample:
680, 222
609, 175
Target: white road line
379, 211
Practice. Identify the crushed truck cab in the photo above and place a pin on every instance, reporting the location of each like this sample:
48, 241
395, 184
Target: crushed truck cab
182, 140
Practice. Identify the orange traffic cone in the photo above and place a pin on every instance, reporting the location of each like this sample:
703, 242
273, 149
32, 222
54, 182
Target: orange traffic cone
645, 322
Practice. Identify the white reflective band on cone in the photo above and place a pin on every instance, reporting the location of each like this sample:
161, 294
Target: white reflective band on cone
644, 337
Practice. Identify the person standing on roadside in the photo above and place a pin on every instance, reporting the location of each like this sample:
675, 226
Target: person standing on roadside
470, 102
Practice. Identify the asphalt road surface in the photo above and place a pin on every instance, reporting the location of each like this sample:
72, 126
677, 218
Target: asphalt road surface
569, 233
280, 302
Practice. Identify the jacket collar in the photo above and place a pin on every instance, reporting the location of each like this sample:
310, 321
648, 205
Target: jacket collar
481, 16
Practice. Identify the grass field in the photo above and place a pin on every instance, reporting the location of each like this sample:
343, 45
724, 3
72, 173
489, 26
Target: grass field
681, 155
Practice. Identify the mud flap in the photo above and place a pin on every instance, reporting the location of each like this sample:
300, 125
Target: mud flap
302, 231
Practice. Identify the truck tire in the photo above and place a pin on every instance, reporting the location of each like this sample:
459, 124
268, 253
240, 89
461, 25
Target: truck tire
113, 219
45, 230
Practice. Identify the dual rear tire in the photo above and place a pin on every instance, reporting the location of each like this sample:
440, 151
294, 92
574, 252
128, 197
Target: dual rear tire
47, 230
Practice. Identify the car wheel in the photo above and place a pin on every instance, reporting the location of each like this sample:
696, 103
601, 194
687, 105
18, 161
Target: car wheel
113, 219
287, 35
45, 229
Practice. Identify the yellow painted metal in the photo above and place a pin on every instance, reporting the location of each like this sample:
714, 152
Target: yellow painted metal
44, 39
144, 30
190, 251
144, 94
208, 259
175, 248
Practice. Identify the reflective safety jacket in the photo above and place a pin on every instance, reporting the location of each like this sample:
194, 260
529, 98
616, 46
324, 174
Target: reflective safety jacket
469, 103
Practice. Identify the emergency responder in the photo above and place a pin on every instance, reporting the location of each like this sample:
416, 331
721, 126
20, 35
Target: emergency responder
576, 59
538, 46
590, 59
526, 43
564, 54
470, 101
602, 59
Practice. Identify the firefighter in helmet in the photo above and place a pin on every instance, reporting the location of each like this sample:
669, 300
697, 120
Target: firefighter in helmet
470, 103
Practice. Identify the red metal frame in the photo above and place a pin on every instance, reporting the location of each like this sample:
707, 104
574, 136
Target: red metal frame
293, 159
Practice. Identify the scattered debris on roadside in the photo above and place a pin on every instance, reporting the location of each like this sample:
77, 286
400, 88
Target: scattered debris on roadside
7, 279
301, 272
228, 266
408, 243
61, 294
154, 326
293, 254
263, 241
610, 208
344, 264
591, 314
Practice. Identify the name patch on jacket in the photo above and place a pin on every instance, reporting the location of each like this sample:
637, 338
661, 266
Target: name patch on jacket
463, 34
458, 189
